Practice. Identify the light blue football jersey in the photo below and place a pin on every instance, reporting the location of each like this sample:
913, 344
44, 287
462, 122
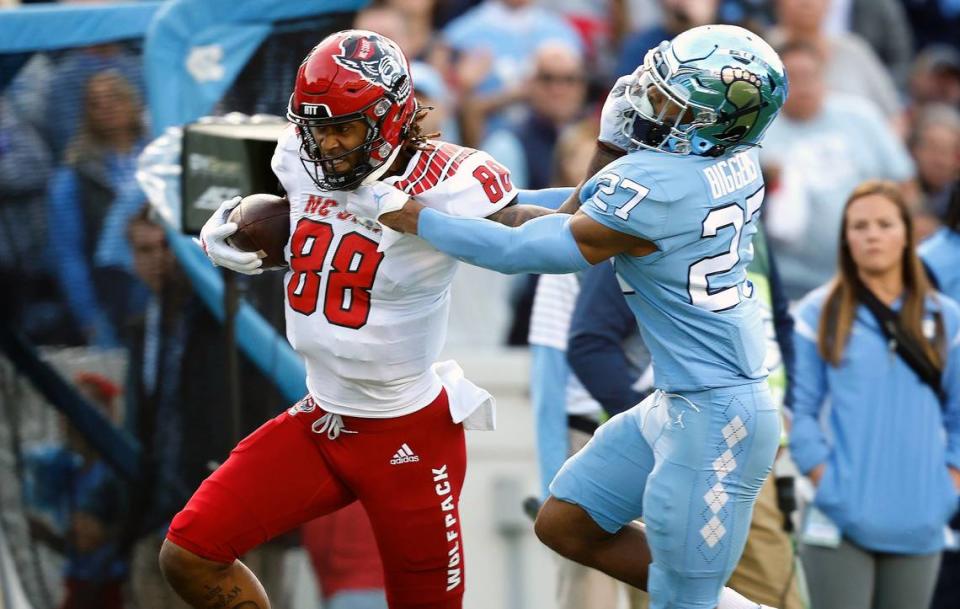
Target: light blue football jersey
697, 311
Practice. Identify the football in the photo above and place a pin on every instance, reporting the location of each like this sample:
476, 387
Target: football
263, 225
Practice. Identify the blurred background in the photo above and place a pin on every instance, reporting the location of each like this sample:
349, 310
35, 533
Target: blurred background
129, 367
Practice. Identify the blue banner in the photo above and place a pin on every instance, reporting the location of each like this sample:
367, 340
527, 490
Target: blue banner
57, 26
195, 50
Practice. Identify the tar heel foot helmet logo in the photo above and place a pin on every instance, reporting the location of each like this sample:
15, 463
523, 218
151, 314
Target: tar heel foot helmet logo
712, 89
743, 93
377, 60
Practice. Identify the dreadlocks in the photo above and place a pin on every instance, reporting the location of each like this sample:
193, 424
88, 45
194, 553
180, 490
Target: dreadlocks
417, 140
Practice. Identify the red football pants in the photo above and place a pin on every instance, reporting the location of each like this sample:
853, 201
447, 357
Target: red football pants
407, 472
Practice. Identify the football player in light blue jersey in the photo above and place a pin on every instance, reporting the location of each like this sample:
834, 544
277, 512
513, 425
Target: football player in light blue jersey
677, 214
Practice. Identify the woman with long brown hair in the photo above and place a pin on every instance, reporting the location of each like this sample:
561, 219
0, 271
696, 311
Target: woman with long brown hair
886, 461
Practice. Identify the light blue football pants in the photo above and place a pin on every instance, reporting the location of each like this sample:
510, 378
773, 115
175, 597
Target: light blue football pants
691, 465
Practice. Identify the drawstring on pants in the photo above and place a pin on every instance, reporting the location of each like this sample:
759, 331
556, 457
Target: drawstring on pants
331, 424
679, 420
676, 395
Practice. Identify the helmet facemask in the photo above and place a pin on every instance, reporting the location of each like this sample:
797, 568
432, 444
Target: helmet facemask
376, 153
665, 120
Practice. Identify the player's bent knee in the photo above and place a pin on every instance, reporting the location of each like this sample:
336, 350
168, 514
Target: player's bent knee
558, 527
545, 531
546, 528
180, 565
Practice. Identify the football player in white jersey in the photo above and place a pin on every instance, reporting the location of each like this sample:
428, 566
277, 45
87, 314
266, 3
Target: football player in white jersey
367, 309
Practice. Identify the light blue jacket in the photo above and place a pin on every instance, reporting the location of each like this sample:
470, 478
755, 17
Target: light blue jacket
886, 442
941, 252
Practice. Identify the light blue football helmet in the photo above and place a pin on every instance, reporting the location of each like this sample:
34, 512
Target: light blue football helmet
710, 90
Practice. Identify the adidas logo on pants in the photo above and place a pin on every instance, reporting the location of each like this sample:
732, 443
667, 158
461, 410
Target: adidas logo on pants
404, 455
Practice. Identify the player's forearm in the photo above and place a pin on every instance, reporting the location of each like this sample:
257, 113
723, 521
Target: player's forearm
552, 198
603, 155
529, 204
543, 245
515, 215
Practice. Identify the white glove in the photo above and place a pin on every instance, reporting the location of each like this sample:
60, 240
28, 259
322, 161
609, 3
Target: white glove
617, 113
374, 200
213, 240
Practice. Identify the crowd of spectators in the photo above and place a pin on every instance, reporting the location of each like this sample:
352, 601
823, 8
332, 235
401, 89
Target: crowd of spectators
874, 95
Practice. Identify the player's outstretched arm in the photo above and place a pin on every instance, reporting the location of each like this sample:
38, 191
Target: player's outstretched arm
542, 245
515, 215
551, 198
555, 243
530, 204
598, 242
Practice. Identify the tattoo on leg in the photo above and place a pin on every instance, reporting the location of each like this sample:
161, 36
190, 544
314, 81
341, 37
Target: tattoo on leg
216, 598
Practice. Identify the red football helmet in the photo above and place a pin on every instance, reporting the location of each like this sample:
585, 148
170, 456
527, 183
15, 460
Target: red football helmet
350, 75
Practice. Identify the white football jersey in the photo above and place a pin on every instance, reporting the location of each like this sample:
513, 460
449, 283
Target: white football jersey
370, 324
